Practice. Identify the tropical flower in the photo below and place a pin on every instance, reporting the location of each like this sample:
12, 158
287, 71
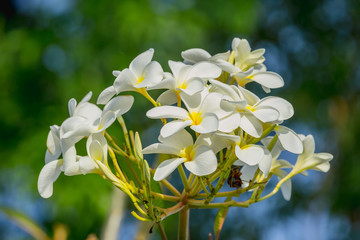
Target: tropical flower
97, 151
87, 118
197, 158
142, 73
254, 155
189, 79
248, 111
203, 110
311, 160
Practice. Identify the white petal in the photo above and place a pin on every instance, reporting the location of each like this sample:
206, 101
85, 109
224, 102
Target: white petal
116, 73
75, 127
268, 79
250, 97
309, 146
138, 65
226, 89
98, 137
195, 55
86, 98
248, 173
88, 110
53, 144
167, 98
227, 67
220, 56
211, 104
87, 165
194, 85
161, 148
104, 122
267, 90
286, 186
119, 105
106, 95
204, 162
229, 123
167, 83
217, 141
166, 168
251, 125
235, 43
95, 151
180, 140
48, 175
289, 139
285, 108
167, 112
173, 127
257, 53
72, 105
251, 155
176, 67
266, 114
71, 167
265, 163
193, 102
209, 123
153, 75
125, 81
204, 70
323, 167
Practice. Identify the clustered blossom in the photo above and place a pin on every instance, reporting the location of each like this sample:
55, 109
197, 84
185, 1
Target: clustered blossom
207, 113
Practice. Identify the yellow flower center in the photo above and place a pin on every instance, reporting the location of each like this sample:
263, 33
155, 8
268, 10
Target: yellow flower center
196, 118
248, 107
183, 85
140, 79
187, 153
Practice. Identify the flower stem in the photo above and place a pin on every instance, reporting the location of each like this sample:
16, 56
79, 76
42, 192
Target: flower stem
163, 234
183, 229
183, 178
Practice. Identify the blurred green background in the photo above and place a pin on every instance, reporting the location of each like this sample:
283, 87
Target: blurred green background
51, 51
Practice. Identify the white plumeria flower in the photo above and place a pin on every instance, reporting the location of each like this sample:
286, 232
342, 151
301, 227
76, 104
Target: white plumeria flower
289, 140
97, 151
87, 118
189, 79
244, 57
248, 111
53, 144
142, 73
203, 109
197, 158
196, 55
311, 160
218, 141
254, 155
248, 67
268, 80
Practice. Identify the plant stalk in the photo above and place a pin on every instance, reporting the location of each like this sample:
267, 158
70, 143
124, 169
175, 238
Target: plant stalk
183, 230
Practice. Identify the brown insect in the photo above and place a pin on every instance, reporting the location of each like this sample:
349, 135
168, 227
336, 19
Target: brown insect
234, 179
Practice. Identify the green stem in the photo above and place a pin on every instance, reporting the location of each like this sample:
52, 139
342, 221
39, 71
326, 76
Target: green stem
162, 232
125, 131
183, 178
201, 204
183, 230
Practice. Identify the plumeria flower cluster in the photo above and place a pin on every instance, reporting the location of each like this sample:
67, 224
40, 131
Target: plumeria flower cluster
221, 132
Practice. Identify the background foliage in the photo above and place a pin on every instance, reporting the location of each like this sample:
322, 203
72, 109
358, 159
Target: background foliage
51, 51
